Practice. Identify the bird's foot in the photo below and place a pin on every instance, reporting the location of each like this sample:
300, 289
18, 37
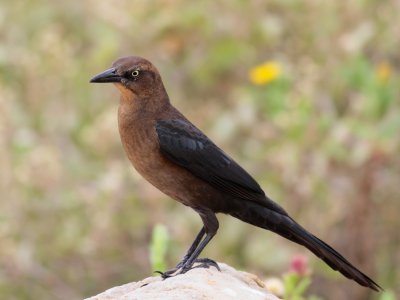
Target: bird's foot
182, 268
206, 263
169, 273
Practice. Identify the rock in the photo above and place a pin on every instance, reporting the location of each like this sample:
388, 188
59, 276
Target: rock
198, 283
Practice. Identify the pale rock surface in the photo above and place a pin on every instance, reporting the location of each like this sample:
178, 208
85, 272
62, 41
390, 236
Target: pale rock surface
198, 283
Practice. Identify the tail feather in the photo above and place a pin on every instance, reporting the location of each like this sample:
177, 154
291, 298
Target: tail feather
331, 257
290, 229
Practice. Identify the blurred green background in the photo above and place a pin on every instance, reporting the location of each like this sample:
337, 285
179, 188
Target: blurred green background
321, 136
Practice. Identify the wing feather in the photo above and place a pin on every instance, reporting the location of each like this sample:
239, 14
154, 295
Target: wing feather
184, 144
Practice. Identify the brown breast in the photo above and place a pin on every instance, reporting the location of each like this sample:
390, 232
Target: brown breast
139, 139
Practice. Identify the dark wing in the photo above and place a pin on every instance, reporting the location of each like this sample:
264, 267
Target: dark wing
185, 145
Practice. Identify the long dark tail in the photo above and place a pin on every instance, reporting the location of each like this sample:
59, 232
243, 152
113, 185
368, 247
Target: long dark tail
285, 226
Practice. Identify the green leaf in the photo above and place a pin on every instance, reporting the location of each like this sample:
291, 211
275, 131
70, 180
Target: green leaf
158, 247
302, 286
388, 295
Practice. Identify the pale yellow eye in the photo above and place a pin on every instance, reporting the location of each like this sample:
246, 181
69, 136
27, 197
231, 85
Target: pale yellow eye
135, 73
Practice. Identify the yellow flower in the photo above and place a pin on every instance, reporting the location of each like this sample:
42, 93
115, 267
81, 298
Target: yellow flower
383, 72
265, 73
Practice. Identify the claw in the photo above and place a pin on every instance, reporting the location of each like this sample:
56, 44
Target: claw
206, 263
183, 268
172, 272
166, 274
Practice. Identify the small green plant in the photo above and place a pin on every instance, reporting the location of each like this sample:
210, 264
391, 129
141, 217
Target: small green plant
295, 286
158, 247
298, 279
388, 295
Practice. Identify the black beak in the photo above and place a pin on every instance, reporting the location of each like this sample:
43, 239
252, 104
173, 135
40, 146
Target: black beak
109, 75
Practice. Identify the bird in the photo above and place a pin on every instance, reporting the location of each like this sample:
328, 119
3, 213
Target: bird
182, 162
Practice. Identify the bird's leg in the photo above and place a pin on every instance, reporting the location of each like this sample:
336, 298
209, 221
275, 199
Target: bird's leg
193, 247
204, 262
211, 227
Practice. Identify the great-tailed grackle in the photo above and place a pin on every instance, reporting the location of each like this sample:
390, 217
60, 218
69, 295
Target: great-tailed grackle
181, 161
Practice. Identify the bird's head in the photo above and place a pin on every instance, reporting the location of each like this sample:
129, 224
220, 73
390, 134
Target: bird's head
133, 76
